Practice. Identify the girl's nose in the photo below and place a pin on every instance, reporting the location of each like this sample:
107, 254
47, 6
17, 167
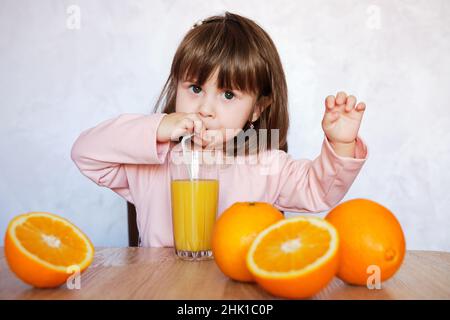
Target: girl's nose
207, 110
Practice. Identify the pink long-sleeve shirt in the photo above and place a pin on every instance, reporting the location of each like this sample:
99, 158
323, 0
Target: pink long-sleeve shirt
124, 155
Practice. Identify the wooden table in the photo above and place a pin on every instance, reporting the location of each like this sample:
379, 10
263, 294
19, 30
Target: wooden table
155, 273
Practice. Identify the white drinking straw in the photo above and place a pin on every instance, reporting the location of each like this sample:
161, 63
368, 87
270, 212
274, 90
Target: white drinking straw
193, 168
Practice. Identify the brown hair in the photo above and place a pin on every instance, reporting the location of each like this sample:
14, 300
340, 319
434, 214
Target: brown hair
246, 59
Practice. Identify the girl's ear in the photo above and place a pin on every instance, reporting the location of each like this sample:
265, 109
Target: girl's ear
262, 103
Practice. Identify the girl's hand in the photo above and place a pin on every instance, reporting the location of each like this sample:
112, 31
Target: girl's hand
342, 119
177, 124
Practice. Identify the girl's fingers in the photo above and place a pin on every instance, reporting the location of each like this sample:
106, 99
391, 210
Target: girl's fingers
334, 116
331, 117
199, 129
360, 107
198, 141
329, 103
177, 133
188, 125
351, 101
341, 96
185, 126
204, 137
197, 123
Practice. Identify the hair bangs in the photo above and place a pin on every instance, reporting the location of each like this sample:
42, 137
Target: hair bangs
216, 47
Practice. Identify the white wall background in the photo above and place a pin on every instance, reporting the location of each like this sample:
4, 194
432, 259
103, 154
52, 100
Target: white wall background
56, 81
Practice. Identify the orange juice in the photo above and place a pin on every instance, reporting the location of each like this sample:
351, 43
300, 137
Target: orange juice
194, 209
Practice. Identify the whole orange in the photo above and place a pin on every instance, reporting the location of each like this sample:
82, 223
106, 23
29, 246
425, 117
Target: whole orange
234, 231
370, 236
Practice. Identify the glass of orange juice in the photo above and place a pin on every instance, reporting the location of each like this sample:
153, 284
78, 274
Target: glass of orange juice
194, 200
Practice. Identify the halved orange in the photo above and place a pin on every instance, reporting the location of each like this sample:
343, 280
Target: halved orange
44, 249
295, 257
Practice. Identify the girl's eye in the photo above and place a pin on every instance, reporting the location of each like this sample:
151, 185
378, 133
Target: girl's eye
195, 89
229, 95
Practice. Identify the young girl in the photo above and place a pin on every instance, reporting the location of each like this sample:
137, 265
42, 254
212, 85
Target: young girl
226, 77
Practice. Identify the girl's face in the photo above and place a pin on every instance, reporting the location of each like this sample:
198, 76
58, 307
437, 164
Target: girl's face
223, 112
